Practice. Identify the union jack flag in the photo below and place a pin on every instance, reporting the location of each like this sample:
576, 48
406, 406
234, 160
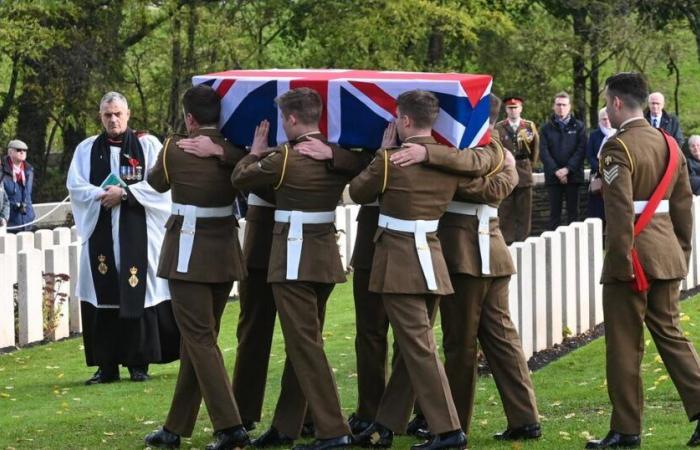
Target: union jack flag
357, 104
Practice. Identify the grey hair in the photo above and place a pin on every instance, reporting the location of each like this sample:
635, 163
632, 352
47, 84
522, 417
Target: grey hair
601, 111
112, 96
693, 139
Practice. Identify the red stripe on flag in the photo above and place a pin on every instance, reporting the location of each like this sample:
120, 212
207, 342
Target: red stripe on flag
378, 96
485, 139
224, 86
441, 139
320, 86
475, 87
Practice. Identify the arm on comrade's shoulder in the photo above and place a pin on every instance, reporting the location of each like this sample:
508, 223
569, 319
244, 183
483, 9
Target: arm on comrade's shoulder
468, 162
252, 172
158, 175
371, 182
338, 159
204, 147
681, 208
489, 189
618, 198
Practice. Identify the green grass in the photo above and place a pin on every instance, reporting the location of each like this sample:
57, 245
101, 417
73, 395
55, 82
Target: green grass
44, 404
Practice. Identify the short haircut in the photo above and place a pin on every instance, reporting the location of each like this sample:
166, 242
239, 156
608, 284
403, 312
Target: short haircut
495, 108
562, 94
694, 138
203, 103
305, 103
601, 111
630, 87
420, 106
112, 96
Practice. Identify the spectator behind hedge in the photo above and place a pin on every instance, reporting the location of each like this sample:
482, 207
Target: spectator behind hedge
694, 163
18, 179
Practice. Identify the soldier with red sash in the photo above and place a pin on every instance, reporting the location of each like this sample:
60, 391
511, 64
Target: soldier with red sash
646, 189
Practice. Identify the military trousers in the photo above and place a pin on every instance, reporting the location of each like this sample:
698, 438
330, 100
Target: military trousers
301, 308
418, 373
625, 313
256, 325
371, 345
515, 215
197, 308
479, 310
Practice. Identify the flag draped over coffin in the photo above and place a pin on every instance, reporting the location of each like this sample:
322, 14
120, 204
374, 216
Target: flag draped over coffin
357, 104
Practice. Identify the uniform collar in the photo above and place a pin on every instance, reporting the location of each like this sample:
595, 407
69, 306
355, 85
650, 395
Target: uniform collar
210, 131
420, 140
633, 122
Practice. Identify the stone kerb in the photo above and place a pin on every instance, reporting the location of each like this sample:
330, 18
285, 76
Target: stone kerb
8, 246
513, 289
553, 283
595, 268
74, 318
539, 292
582, 274
523, 253
568, 277
57, 262
7, 307
31, 323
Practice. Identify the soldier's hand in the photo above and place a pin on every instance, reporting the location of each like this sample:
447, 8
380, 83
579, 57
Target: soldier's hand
200, 146
409, 155
111, 197
389, 139
259, 146
314, 149
509, 159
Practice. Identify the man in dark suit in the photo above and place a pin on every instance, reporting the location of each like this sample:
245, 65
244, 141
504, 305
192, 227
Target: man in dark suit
202, 224
657, 117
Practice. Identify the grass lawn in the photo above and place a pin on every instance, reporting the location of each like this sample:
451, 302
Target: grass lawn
44, 404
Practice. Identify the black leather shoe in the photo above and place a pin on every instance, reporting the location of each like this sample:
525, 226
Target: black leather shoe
695, 438
272, 438
532, 431
416, 424
323, 444
162, 439
616, 440
138, 374
101, 377
308, 430
452, 439
249, 425
229, 439
423, 433
375, 436
358, 425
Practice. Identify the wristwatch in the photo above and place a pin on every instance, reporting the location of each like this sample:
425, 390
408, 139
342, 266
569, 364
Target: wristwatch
124, 195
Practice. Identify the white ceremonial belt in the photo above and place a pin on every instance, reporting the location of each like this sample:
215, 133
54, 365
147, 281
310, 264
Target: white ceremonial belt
419, 228
484, 213
641, 204
254, 200
295, 236
189, 225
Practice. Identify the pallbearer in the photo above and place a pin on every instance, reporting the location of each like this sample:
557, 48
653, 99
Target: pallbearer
646, 191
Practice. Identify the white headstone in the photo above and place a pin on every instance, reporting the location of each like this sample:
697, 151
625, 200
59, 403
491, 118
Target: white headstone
241, 231
8, 246
341, 230
553, 281
74, 234
582, 273
43, 239
25, 240
29, 298
74, 318
523, 253
568, 277
539, 292
57, 263
7, 307
695, 253
595, 269
62, 236
354, 210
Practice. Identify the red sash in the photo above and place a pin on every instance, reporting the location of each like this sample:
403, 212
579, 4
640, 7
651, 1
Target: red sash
640, 283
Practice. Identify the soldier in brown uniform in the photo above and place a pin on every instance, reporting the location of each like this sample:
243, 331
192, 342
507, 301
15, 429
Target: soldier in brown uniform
304, 261
202, 225
372, 323
480, 267
520, 137
633, 162
411, 200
